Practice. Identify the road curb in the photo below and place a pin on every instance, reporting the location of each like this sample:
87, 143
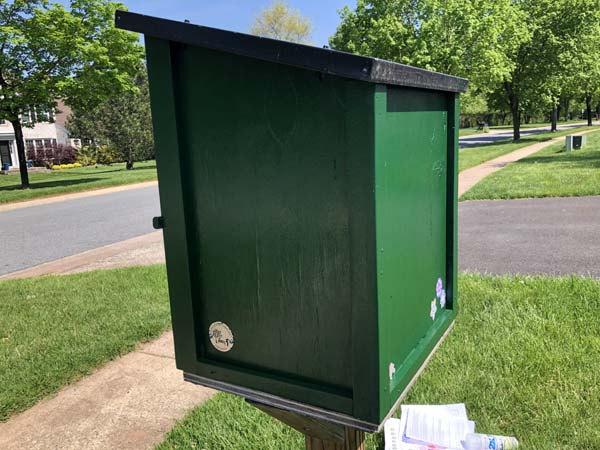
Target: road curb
74, 262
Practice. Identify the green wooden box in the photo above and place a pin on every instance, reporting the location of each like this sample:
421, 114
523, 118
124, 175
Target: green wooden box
309, 202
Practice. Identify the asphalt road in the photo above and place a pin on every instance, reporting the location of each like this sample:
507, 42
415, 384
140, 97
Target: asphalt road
530, 236
495, 135
554, 235
38, 234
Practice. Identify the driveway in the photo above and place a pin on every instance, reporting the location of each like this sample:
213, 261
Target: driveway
39, 234
557, 236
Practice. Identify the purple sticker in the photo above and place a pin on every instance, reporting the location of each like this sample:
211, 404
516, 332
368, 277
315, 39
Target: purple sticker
439, 287
443, 299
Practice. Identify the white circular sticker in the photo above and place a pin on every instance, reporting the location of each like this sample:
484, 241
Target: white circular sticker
220, 336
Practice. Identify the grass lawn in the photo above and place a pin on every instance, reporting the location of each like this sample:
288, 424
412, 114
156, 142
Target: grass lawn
56, 182
473, 156
464, 132
53, 330
551, 172
524, 356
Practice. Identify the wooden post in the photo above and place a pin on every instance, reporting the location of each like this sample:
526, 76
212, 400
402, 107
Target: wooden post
319, 434
353, 440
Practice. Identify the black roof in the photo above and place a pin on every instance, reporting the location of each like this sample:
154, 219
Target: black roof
323, 60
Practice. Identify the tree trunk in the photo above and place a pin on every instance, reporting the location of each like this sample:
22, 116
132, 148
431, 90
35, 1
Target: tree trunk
130, 161
516, 117
20, 141
553, 118
558, 111
588, 107
567, 105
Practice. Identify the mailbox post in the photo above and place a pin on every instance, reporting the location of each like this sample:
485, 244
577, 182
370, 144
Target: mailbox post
309, 206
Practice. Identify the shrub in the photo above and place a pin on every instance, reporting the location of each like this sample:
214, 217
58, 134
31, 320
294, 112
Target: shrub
86, 155
107, 155
63, 154
37, 159
66, 166
52, 155
97, 154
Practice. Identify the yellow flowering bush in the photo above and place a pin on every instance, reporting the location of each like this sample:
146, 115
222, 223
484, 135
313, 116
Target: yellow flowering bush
66, 166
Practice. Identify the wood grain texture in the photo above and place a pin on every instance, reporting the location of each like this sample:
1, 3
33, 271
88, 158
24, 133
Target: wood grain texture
319, 434
353, 440
319, 429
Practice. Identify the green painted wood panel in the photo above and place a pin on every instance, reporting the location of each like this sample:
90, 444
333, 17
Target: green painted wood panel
267, 173
313, 214
172, 191
411, 165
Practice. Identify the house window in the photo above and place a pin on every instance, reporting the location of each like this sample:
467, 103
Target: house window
49, 143
44, 114
27, 117
39, 143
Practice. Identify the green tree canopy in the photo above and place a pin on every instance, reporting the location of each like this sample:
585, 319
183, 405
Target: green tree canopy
470, 38
49, 52
122, 122
279, 21
546, 66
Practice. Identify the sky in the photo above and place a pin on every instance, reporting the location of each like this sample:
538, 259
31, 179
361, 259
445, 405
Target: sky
238, 15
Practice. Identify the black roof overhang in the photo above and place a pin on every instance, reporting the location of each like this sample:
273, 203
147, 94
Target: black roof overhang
323, 60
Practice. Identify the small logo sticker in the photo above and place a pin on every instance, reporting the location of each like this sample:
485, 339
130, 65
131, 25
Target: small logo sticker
220, 336
433, 309
443, 299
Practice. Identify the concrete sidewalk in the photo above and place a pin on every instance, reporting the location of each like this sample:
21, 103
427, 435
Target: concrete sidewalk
470, 177
128, 404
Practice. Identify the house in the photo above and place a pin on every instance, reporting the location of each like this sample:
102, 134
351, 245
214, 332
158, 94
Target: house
49, 130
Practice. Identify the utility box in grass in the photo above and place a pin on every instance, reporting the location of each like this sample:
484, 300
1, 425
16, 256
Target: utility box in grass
573, 142
309, 205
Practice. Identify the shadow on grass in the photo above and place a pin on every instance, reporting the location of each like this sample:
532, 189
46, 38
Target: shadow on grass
587, 160
50, 184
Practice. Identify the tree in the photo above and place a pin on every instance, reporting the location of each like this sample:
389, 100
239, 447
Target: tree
584, 56
123, 122
562, 33
48, 52
279, 21
468, 38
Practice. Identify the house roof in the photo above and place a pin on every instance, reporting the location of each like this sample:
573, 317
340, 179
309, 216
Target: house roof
323, 60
